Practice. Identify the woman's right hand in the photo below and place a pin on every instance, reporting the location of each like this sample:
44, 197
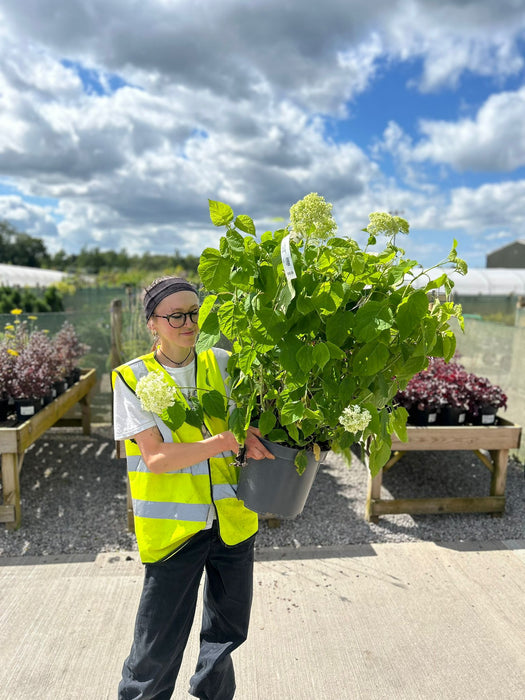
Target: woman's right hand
228, 442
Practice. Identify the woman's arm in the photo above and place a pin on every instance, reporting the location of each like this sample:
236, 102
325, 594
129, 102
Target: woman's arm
161, 456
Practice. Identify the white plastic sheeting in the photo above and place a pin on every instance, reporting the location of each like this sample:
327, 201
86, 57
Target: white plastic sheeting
20, 276
490, 281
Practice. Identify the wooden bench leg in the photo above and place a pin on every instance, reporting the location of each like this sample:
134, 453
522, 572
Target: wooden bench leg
85, 407
11, 465
500, 459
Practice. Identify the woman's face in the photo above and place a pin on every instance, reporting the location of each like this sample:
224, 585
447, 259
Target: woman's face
175, 306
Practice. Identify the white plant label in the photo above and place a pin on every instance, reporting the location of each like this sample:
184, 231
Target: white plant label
286, 257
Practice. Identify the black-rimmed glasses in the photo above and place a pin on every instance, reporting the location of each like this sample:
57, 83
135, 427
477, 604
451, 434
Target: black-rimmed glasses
178, 319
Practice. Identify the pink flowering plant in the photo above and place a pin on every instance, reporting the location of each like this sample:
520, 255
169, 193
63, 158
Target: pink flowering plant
450, 384
31, 362
68, 348
323, 332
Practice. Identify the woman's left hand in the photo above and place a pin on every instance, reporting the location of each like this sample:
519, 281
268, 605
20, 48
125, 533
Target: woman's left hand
254, 447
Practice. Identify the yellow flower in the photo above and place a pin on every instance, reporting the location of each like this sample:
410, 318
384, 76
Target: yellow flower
32, 318
9, 327
16, 312
12, 352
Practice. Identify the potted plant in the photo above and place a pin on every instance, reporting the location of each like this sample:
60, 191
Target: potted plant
69, 349
34, 371
7, 362
323, 332
437, 394
421, 398
484, 400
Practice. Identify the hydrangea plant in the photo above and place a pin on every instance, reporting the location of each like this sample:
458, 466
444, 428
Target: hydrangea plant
324, 332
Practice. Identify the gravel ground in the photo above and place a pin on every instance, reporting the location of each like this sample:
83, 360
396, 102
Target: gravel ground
74, 501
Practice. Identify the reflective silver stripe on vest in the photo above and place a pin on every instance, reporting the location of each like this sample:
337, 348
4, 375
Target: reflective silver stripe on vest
221, 491
137, 464
134, 463
194, 512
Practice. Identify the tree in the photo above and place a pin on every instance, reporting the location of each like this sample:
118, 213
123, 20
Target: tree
19, 248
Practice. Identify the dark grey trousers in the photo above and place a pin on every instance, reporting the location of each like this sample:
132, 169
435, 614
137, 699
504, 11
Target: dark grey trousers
166, 612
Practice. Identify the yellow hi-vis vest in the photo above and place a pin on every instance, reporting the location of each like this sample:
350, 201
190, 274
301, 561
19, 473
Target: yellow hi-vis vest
170, 508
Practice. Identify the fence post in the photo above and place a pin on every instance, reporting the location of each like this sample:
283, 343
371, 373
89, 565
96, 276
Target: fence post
115, 311
117, 359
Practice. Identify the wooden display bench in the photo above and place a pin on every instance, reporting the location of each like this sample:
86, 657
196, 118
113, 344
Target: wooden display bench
15, 440
495, 441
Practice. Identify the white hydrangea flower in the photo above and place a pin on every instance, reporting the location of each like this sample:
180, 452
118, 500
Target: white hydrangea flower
354, 418
313, 211
154, 393
389, 225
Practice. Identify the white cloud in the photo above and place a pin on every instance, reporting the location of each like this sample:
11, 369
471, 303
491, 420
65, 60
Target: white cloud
488, 206
228, 100
493, 141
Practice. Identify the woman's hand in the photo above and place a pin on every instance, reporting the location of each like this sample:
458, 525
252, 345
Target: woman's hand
228, 443
254, 447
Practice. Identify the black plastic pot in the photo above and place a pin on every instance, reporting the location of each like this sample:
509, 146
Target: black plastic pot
4, 409
273, 486
452, 415
26, 408
486, 416
423, 417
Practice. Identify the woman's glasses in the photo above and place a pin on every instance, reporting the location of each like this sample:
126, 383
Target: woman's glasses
178, 319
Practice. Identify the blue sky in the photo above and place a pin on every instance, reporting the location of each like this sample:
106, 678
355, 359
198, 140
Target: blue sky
119, 120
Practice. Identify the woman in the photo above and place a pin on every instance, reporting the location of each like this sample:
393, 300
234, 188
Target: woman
187, 517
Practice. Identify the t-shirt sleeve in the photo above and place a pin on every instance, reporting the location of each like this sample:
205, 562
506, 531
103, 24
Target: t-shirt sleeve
128, 416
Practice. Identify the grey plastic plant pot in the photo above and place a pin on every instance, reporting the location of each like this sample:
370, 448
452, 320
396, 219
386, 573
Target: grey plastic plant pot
273, 486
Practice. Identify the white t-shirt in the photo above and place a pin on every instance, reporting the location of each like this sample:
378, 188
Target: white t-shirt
129, 418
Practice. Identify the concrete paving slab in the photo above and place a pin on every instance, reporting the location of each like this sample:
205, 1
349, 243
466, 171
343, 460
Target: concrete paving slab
408, 621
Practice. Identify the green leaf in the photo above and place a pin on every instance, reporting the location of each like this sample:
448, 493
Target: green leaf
237, 424
338, 326
291, 412
206, 341
206, 307
213, 404
195, 417
335, 352
410, 312
220, 213
288, 349
235, 241
305, 358
449, 345
301, 461
245, 223
214, 270
174, 416
321, 354
380, 450
245, 359
371, 358
398, 422
406, 369
278, 435
267, 422
358, 263
437, 283
371, 320
231, 319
